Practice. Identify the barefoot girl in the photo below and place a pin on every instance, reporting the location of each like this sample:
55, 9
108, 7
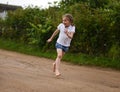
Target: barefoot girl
66, 30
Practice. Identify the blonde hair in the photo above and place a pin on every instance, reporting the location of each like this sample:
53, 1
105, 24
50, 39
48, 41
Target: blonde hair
70, 17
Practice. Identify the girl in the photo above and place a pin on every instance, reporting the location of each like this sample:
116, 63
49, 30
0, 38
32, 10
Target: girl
66, 30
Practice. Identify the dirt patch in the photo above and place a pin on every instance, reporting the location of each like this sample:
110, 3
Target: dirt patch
25, 73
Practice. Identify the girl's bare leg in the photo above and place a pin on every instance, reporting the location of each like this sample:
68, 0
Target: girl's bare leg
56, 65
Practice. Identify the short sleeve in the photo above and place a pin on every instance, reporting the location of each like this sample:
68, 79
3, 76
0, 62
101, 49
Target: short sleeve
73, 29
59, 26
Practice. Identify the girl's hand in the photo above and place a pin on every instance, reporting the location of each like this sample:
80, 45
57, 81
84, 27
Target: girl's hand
49, 40
69, 34
66, 31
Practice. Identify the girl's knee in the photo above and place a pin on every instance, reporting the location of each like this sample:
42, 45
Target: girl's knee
59, 56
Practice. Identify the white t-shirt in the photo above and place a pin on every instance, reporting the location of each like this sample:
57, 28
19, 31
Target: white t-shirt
63, 39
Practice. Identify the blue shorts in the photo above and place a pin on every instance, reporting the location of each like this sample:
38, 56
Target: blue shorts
59, 46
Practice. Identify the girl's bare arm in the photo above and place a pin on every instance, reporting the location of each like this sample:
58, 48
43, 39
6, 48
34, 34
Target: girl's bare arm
53, 35
69, 34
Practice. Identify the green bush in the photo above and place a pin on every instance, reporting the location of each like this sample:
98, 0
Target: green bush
114, 51
97, 27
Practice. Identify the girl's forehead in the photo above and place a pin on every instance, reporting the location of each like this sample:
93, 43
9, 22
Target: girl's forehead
65, 18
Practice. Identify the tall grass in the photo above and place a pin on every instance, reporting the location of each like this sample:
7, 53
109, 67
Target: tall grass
78, 59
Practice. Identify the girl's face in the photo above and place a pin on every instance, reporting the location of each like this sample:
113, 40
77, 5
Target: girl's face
66, 21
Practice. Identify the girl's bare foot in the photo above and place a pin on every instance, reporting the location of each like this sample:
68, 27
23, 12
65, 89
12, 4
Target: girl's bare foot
57, 75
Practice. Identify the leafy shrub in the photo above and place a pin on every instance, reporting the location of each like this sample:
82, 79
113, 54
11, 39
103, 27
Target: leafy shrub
97, 27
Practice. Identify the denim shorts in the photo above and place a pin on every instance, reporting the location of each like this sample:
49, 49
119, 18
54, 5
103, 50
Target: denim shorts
59, 46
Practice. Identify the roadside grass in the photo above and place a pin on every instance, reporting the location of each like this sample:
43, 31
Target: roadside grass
78, 59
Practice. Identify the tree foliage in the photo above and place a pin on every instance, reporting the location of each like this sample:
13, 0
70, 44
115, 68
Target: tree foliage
97, 26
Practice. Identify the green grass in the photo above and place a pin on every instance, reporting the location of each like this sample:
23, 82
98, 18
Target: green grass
78, 59
87, 60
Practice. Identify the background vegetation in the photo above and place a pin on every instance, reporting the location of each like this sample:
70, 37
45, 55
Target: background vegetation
97, 26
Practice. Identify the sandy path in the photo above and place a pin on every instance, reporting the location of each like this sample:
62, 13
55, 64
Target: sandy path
25, 73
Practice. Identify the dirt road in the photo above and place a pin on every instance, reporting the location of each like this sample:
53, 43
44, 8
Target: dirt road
25, 73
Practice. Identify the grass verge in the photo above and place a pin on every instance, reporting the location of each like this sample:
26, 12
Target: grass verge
79, 59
